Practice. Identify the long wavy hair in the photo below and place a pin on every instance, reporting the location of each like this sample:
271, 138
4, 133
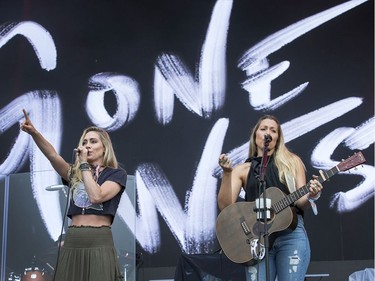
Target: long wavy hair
285, 160
109, 157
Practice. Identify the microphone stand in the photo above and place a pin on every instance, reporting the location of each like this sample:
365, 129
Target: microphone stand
70, 176
262, 189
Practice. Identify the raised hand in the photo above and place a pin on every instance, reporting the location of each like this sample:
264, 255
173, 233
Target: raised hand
27, 126
225, 163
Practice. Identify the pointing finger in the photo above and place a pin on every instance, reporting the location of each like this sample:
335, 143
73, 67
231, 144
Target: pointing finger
26, 115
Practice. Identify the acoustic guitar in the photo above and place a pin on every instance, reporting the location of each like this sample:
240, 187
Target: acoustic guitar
241, 234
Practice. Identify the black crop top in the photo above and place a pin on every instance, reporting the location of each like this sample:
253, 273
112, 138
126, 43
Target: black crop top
109, 207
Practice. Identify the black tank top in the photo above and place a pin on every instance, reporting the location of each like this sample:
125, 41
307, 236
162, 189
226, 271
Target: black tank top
271, 179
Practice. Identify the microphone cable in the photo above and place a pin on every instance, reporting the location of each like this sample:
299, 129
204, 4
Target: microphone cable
65, 214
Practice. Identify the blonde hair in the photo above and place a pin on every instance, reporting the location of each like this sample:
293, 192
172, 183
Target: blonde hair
286, 161
109, 157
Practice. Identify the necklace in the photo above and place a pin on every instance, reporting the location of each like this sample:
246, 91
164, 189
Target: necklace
96, 171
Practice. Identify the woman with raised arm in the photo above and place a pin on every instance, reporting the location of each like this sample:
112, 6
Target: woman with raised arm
97, 184
289, 255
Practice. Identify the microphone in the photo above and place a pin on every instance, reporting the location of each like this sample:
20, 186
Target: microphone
267, 138
55, 187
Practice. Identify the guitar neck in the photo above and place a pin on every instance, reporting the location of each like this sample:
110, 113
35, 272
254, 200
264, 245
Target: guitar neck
294, 196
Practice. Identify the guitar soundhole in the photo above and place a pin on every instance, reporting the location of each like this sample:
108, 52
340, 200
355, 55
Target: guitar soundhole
259, 226
272, 214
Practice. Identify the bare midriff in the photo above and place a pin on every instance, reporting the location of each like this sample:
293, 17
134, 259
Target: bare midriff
91, 220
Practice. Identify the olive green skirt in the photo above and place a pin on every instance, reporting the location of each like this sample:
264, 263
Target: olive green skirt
88, 254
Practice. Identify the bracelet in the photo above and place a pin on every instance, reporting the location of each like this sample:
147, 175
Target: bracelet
312, 202
84, 166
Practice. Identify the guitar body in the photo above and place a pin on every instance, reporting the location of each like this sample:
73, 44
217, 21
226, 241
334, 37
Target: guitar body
237, 226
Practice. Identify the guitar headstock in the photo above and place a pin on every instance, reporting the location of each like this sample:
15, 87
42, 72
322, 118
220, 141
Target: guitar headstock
351, 162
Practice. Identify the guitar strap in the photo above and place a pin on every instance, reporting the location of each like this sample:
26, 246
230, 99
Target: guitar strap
290, 182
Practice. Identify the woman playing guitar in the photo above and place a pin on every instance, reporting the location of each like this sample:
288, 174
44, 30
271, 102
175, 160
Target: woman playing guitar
289, 255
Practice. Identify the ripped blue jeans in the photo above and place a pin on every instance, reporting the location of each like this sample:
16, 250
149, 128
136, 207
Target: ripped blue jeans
289, 257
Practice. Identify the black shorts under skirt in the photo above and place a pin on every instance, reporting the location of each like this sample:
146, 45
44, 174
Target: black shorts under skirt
88, 254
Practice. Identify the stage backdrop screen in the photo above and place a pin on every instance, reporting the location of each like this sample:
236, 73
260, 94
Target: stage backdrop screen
177, 83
